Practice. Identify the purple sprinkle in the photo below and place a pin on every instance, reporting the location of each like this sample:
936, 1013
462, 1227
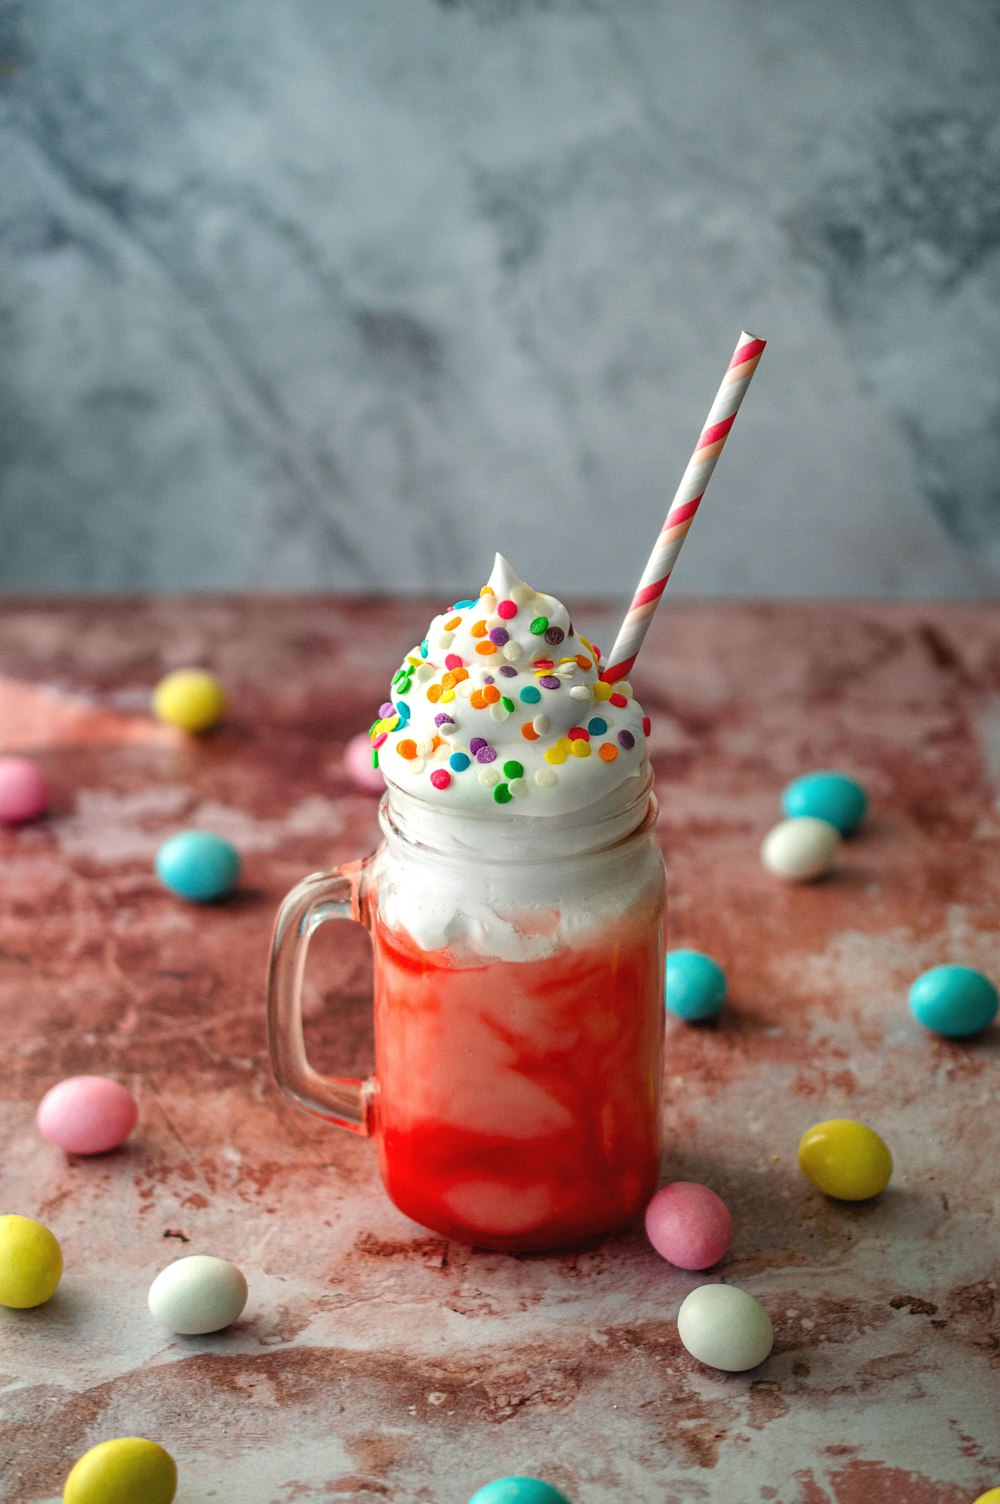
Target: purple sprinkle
627, 739
509, 671
549, 681
387, 709
443, 720
488, 679
499, 635
477, 743
486, 753
554, 636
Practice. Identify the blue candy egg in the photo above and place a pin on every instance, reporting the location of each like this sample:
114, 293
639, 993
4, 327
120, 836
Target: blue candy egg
696, 985
518, 1491
197, 865
832, 797
954, 1000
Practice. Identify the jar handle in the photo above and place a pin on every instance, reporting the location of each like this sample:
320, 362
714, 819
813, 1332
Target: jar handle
342, 1100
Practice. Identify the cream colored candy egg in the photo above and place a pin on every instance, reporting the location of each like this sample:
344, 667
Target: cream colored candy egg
725, 1327
800, 849
197, 1294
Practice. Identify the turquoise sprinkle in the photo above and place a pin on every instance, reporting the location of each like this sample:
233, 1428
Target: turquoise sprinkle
459, 761
462, 605
424, 648
530, 695
597, 726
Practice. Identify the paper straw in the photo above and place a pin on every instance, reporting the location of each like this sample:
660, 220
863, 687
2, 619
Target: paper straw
687, 499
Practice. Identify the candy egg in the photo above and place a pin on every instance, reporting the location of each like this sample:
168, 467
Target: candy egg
190, 698
695, 985
31, 1263
954, 1001
515, 1490
358, 762
24, 793
197, 1294
689, 1225
845, 1159
832, 797
197, 865
991, 1496
725, 1327
123, 1471
87, 1114
800, 849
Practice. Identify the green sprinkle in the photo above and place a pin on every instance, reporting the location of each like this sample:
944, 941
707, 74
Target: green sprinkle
507, 704
502, 794
513, 770
540, 625
374, 757
530, 695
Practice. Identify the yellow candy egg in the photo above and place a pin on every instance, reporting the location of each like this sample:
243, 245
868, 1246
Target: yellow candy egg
991, 1496
123, 1471
190, 698
31, 1263
845, 1159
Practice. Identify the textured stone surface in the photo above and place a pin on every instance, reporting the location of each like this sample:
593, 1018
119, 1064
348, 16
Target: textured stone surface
332, 295
376, 1361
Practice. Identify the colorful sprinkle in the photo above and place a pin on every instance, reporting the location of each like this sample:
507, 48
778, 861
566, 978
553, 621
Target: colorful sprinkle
491, 694
374, 759
545, 778
549, 681
403, 711
507, 704
379, 739
386, 709
476, 700
507, 609
581, 692
487, 590
647, 725
577, 734
518, 787
530, 695
528, 732
555, 754
607, 751
597, 726
553, 635
499, 635
454, 661
513, 769
407, 749
512, 651
499, 711
583, 662
478, 629
442, 719
508, 671
433, 693
463, 605
602, 691
543, 663
581, 749
440, 778
476, 743
627, 740
460, 761
486, 754
502, 794
539, 625
486, 648
542, 724
488, 778
452, 623
619, 700
447, 695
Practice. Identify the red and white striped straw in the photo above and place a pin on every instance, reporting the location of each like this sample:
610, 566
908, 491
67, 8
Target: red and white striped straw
687, 499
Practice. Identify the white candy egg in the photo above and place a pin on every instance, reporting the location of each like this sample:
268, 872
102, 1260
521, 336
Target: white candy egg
801, 848
197, 1294
725, 1327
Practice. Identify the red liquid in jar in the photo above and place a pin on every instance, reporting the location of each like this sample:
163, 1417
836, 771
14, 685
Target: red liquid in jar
519, 1101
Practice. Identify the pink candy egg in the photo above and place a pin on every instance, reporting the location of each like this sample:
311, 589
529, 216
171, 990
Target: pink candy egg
689, 1225
24, 793
358, 762
87, 1114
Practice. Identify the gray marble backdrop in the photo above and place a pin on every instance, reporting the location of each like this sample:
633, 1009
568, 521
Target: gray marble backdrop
344, 294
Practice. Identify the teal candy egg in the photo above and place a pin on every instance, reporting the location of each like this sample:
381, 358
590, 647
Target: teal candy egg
695, 985
954, 1001
197, 865
518, 1491
832, 797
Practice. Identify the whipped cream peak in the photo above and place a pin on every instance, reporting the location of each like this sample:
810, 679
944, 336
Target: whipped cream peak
502, 705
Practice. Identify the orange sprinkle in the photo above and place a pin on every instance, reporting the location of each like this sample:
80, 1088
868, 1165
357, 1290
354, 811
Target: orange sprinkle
491, 694
452, 623
582, 661
433, 693
437, 742
407, 749
486, 648
608, 753
476, 700
448, 681
528, 732
460, 674
487, 590
478, 629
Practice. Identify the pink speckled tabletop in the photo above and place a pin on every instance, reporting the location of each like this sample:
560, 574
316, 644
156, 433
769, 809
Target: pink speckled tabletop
376, 1361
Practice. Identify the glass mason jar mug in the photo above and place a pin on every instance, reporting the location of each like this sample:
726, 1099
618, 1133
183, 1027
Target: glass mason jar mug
518, 995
